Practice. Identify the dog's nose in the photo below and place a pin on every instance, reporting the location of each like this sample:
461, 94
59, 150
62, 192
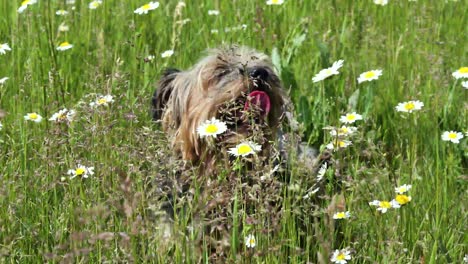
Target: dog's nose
258, 73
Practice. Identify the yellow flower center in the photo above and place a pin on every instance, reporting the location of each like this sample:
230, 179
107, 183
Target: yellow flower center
102, 101
402, 189
369, 74
244, 149
463, 70
402, 199
146, 7
275, 1
341, 256
343, 130
341, 215
64, 44
95, 4
409, 106
25, 2
33, 116
251, 241
452, 135
385, 204
351, 117
211, 128
79, 171
341, 144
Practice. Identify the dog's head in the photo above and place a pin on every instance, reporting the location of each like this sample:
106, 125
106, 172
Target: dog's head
237, 85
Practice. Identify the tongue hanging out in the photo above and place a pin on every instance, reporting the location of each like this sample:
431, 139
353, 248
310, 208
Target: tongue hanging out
261, 99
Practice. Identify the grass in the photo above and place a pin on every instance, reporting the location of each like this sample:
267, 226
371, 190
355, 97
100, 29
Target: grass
109, 216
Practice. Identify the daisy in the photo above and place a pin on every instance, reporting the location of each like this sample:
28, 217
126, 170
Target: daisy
409, 106
369, 75
3, 80
64, 46
402, 189
213, 12
147, 7
402, 199
212, 128
61, 12
461, 73
81, 170
167, 53
325, 73
381, 2
383, 206
274, 2
465, 84
245, 149
350, 118
341, 256
103, 100
63, 27
25, 5
342, 215
35, 117
338, 144
343, 131
95, 4
250, 241
4, 47
63, 115
452, 136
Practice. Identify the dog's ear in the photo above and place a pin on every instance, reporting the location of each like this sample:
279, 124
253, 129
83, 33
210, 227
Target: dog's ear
163, 92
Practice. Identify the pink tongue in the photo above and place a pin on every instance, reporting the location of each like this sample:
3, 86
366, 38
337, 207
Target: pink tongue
261, 99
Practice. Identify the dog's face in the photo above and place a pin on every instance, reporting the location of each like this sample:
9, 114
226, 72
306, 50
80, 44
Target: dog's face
236, 85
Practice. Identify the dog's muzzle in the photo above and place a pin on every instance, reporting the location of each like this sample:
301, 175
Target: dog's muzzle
258, 96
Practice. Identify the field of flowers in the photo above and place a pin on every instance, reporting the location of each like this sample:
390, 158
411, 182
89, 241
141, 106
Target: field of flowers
382, 85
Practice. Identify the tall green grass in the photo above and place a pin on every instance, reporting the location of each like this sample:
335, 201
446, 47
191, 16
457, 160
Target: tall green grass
105, 218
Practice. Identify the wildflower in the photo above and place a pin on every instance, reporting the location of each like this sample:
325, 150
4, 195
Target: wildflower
350, 118
465, 84
64, 46
3, 80
147, 7
402, 199
245, 149
403, 189
369, 76
452, 136
4, 47
61, 12
250, 241
63, 115
381, 2
213, 12
212, 128
103, 100
82, 171
322, 171
337, 144
35, 117
461, 73
342, 215
63, 27
25, 5
383, 206
149, 58
95, 4
167, 53
275, 2
1, 126
214, 31
325, 73
343, 131
341, 256
409, 106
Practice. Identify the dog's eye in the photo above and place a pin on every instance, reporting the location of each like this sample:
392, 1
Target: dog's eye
221, 73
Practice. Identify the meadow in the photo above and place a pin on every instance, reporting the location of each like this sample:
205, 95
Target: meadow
80, 188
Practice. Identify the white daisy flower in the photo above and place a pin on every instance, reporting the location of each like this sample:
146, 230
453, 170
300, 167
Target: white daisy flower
147, 7
63, 27
381, 2
465, 84
63, 115
4, 48
461, 73
245, 149
338, 144
3, 80
61, 12
211, 128
341, 215
214, 31
82, 171
95, 4
350, 118
409, 106
369, 76
452, 136
341, 256
250, 241
103, 100
383, 206
64, 46
343, 131
274, 2
35, 117
213, 12
167, 53
25, 5
325, 73
403, 188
